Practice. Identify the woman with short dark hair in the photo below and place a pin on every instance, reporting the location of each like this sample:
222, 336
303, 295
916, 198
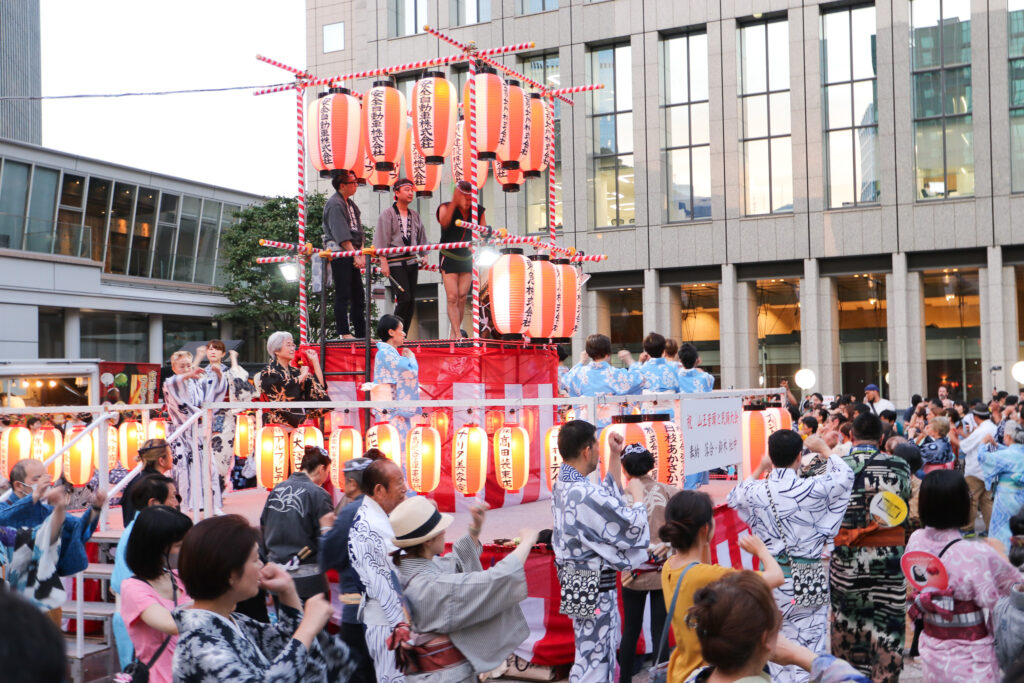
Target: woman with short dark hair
964, 649
398, 372
148, 597
220, 566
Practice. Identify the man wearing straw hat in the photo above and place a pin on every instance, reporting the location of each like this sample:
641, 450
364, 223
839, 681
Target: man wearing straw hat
400, 226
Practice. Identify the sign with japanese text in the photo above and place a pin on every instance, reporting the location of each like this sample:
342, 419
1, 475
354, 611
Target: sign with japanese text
712, 435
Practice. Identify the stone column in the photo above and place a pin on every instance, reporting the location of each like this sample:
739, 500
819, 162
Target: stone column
72, 333
662, 307
737, 306
999, 337
819, 329
905, 321
156, 338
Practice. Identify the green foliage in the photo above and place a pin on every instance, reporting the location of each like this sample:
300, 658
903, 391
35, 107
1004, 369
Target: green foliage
264, 302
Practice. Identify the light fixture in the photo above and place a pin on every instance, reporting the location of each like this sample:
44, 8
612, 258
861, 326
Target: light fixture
53, 383
290, 271
804, 378
886, 377
1018, 372
39, 383
486, 257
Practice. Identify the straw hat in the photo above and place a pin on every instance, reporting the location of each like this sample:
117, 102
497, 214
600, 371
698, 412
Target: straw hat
416, 521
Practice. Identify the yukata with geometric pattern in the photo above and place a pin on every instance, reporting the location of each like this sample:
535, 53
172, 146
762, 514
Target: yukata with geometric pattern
222, 443
243, 650
869, 591
402, 373
184, 398
810, 510
596, 529
976, 573
601, 379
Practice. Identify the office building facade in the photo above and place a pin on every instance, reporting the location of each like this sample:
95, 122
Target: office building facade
20, 72
833, 186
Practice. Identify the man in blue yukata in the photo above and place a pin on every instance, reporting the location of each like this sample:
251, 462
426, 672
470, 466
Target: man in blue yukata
660, 376
599, 378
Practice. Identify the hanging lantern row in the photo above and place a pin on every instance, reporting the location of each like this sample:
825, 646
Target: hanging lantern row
371, 137
534, 296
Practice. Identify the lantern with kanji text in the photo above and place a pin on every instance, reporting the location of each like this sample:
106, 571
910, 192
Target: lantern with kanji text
512, 292
272, 465
567, 301
423, 458
306, 434
15, 445
462, 159
469, 459
545, 299
425, 177
634, 429
512, 457
385, 437
537, 145
79, 460
385, 111
441, 421
515, 125
491, 97
435, 108
511, 180
493, 421
346, 443
157, 428
755, 440
45, 442
333, 131
130, 437
668, 452
552, 456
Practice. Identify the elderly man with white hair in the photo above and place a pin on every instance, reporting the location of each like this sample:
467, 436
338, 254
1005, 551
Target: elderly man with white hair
280, 381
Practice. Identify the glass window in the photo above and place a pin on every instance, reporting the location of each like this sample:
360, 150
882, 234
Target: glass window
849, 71
1016, 54
863, 332
765, 131
534, 6
180, 331
406, 17
425, 319
167, 229
687, 149
120, 219
227, 219
612, 118
778, 329
700, 325
117, 337
51, 333
206, 257
188, 230
952, 331
145, 220
942, 92
13, 198
466, 12
96, 206
69, 217
544, 69
334, 37
41, 210
625, 307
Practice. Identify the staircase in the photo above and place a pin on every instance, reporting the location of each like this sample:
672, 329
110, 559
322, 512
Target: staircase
92, 658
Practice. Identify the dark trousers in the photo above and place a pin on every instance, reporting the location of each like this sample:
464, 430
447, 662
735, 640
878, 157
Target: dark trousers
405, 274
354, 635
348, 295
633, 624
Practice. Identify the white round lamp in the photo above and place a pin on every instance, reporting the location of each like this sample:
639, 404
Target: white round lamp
1018, 372
804, 378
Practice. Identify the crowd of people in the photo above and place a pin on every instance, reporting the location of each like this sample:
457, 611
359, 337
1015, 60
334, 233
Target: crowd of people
879, 534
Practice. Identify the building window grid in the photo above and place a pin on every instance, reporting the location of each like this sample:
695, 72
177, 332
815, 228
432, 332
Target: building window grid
690, 147
1015, 30
769, 138
401, 11
80, 210
942, 69
615, 114
854, 127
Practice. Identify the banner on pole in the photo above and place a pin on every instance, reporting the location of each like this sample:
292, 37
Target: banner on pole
712, 434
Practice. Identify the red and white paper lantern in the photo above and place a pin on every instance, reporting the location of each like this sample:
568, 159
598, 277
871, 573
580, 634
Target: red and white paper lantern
512, 292
490, 104
512, 457
385, 111
535, 159
434, 109
423, 458
567, 301
425, 177
469, 459
514, 129
334, 127
545, 297
511, 180
462, 159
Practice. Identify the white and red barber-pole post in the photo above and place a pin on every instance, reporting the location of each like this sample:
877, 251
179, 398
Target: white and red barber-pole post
300, 101
473, 196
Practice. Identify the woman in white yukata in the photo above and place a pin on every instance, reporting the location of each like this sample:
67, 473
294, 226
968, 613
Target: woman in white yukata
398, 370
184, 393
482, 622
239, 389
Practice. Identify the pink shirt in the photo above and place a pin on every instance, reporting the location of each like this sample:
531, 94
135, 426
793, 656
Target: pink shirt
136, 596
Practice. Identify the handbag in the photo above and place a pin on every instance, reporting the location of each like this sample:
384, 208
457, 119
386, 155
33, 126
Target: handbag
810, 582
137, 671
659, 670
579, 589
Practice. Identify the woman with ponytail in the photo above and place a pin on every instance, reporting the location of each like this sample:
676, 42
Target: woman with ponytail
689, 527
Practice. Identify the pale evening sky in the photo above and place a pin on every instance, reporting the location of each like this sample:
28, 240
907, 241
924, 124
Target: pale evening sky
231, 139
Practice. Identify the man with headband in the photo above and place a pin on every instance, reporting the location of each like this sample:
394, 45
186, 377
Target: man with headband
400, 226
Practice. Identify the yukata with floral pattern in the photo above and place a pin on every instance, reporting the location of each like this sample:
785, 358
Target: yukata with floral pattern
660, 377
810, 510
281, 383
976, 573
601, 379
243, 650
184, 398
869, 591
402, 373
223, 441
695, 381
1003, 467
596, 529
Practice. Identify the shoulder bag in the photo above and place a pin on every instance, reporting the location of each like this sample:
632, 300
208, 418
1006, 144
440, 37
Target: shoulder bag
659, 670
137, 671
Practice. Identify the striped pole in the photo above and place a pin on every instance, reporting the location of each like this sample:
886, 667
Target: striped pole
473, 199
576, 89
274, 259
279, 245
301, 157
550, 135
281, 65
578, 258
399, 251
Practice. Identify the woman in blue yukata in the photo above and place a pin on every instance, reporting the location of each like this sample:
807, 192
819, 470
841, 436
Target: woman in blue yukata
398, 370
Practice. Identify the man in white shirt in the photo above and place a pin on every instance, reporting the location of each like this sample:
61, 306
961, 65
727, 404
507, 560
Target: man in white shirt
875, 401
988, 422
